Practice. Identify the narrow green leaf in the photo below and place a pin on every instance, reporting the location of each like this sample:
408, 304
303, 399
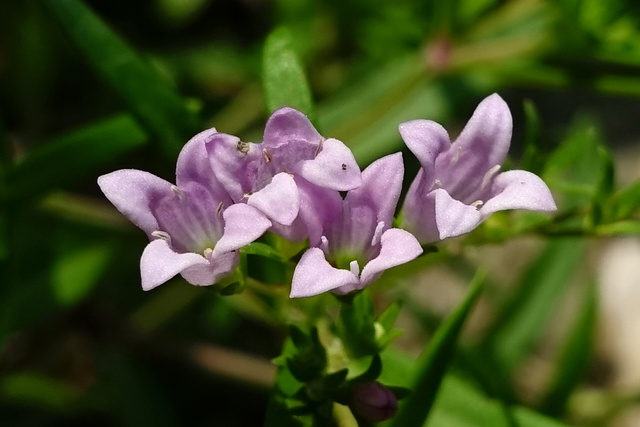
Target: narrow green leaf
574, 357
623, 203
620, 228
531, 159
73, 156
459, 404
604, 186
37, 390
526, 313
158, 108
283, 78
78, 270
434, 362
356, 325
574, 168
263, 250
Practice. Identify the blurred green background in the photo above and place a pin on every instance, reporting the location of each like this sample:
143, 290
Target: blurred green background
90, 87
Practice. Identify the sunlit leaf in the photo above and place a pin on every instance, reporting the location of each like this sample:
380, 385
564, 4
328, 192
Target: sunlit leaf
78, 270
283, 78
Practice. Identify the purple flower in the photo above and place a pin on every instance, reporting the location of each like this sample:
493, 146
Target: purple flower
352, 240
272, 175
194, 228
458, 185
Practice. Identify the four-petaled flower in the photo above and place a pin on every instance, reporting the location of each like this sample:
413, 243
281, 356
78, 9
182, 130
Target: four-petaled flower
194, 227
279, 174
458, 185
356, 243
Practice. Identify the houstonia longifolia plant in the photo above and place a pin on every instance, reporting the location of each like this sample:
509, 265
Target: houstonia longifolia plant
304, 187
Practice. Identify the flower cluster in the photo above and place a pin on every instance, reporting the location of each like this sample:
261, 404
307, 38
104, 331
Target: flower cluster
229, 192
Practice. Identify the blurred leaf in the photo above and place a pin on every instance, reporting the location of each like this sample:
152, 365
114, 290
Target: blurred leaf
459, 404
73, 156
433, 364
526, 312
133, 392
33, 389
283, 78
160, 110
531, 158
179, 12
356, 325
623, 203
309, 358
77, 270
604, 186
620, 228
575, 168
574, 357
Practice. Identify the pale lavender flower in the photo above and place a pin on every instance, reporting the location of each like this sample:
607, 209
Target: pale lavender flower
194, 228
352, 242
458, 185
272, 175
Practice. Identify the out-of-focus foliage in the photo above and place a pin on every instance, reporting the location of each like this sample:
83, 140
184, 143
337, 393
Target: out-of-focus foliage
91, 86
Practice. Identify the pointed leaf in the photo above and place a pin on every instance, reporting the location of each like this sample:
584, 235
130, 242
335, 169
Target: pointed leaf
526, 313
73, 156
158, 108
434, 362
283, 78
574, 357
356, 325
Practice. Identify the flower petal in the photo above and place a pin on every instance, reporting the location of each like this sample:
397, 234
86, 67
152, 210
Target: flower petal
193, 165
419, 210
242, 225
518, 189
319, 207
234, 163
314, 275
287, 124
133, 192
334, 167
217, 269
396, 247
279, 200
426, 140
482, 145
453, 217
160, 263
381, 186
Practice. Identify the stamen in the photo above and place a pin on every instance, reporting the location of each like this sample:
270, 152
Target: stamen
489, 175
377, 234
219, 208
162, 235
207, 253
267, 156
324, 244
437, 183
178, 192
354, 268
477, 204
457, 156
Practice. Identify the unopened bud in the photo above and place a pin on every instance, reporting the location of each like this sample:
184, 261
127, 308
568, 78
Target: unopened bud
373, 402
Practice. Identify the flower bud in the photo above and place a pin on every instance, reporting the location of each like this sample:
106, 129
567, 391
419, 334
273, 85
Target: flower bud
373, 402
